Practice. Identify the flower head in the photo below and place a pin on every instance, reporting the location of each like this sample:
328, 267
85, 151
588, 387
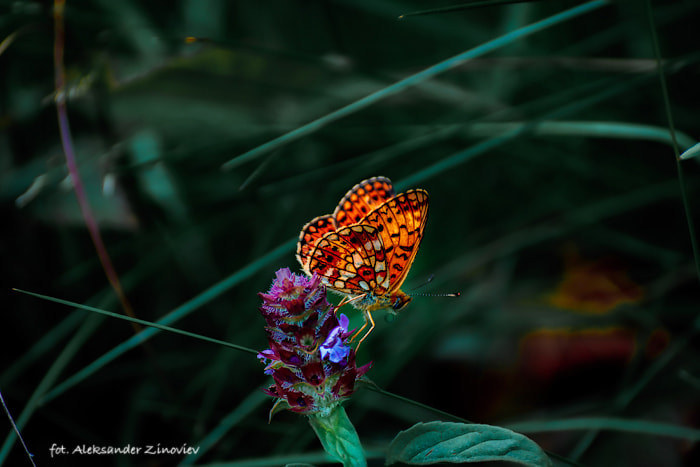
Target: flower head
309, 359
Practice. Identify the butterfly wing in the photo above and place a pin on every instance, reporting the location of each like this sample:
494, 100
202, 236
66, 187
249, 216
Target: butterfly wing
351, 260
400, 222
362, 199
357, 203
309, 235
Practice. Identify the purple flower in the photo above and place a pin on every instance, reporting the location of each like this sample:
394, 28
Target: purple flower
290, 291
334, 347
310, 361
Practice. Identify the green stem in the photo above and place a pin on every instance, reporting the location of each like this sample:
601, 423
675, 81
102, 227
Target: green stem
338, 437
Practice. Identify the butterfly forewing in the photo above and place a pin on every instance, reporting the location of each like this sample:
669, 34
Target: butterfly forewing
351, 260
400, 223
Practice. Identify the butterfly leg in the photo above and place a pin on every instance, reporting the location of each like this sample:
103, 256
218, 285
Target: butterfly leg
368, 317
359, 331
344, 301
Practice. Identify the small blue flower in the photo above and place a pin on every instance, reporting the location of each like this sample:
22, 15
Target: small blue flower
333, 348
266, 355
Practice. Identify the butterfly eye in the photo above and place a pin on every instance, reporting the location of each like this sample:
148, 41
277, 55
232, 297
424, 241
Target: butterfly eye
400, 302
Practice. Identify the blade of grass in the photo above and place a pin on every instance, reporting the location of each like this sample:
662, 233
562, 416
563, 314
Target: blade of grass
80, 336
626, 397
645, 427
71, 162
372, 386
247, 405
413, 80
16, 430
305, 459
103, 299
214, 388
600, 129
66, 355
48, 342
178, 313
672, 131
690, 152
513, 130
139, 321
604, 91
7, 41
366, 162
462, 7
528, 235
590, 94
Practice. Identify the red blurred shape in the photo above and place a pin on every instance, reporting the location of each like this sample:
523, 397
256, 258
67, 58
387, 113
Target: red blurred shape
595, 287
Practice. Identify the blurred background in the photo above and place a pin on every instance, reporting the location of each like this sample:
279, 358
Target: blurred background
556, 210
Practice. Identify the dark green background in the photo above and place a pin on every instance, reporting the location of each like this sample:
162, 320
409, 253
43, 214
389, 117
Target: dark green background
159, 116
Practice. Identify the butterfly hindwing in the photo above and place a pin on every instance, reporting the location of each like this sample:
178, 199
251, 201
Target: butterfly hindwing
362, 199
357, 203
351, 260
310, 234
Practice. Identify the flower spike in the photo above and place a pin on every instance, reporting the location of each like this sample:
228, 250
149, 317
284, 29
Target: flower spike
309, 359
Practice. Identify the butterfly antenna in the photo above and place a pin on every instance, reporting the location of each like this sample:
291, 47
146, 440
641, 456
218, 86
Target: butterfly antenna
453, 294
430, 279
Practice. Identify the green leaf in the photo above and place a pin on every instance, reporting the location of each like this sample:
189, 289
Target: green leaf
434, 442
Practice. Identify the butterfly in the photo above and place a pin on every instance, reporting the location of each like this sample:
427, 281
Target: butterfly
365, 249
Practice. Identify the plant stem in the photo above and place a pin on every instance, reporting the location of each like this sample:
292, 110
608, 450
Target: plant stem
338, 437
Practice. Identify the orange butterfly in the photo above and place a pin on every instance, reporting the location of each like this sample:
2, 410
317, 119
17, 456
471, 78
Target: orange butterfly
365, 249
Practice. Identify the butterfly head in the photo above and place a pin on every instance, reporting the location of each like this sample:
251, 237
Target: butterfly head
392, 302
399, 300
